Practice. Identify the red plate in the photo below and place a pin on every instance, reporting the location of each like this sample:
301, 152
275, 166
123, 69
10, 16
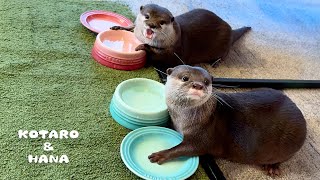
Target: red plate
98, 21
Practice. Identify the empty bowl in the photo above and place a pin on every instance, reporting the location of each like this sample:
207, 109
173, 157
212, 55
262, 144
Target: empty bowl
98, 21
138, 144
141, 97
116, 49
139, 102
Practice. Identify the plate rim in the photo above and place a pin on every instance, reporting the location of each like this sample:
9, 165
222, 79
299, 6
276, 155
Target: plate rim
130, 108
188, 173
86, 14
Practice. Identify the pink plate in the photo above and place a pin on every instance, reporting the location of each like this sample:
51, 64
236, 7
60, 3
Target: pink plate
115, 60
98, 21
102, 60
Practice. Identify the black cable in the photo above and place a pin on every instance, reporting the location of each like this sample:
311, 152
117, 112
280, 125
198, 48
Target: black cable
211, 168
270, 83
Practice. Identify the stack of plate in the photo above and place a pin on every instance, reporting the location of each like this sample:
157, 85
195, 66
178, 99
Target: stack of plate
139, 102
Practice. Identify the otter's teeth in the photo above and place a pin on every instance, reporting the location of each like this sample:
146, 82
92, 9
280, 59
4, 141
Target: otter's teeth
148, 33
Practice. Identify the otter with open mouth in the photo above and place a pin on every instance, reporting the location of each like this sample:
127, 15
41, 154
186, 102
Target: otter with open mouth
198, 36
262, 127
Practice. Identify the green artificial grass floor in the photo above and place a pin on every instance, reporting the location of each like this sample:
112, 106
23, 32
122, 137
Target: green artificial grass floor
49, 81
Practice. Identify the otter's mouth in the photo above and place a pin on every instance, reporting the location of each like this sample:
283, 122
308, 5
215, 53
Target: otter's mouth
148, 33
196, 94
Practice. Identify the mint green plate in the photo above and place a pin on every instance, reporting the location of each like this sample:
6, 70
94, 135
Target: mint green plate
136, 119
129, 123
141, 97
140, 143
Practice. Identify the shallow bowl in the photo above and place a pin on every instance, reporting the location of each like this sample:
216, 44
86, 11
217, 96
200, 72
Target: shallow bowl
140, 143
119, 44
98, 21
116, 49
128, 123
141, 97
139, 120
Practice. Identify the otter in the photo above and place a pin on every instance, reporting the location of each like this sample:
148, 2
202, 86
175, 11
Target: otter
261, 126
198, 36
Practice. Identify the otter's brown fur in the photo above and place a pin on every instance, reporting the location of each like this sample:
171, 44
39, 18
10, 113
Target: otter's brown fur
198, 36
261, 126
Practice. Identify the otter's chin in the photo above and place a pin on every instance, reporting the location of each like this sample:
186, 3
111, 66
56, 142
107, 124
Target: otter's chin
195, 94
194, 97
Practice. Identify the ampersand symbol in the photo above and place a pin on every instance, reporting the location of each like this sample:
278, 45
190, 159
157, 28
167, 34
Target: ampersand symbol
47, 146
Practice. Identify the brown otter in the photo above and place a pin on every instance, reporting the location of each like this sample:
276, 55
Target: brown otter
262, 126
198, 36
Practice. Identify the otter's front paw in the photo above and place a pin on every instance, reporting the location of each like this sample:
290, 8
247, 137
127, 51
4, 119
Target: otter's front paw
116, 28
142, 47
158, 157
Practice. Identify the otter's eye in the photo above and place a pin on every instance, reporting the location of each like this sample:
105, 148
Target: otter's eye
185, 78
147, 16
206, 82
162, 22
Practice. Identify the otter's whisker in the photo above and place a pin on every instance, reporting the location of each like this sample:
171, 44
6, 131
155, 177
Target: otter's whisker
217, 90
161, 71
216, 62
167, 36
179, 58
172, 42
218, 97
224, 102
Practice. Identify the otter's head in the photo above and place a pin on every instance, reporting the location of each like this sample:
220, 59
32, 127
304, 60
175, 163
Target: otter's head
154, 26
188, 85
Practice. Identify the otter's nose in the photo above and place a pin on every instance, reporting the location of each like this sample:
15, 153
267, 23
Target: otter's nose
197, 86
152, 26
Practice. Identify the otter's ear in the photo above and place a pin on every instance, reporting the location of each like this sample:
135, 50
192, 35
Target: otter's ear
169, 71
141, 7
172, 19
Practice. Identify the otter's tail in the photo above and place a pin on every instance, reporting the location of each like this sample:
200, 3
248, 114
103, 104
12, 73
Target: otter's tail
237, 33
